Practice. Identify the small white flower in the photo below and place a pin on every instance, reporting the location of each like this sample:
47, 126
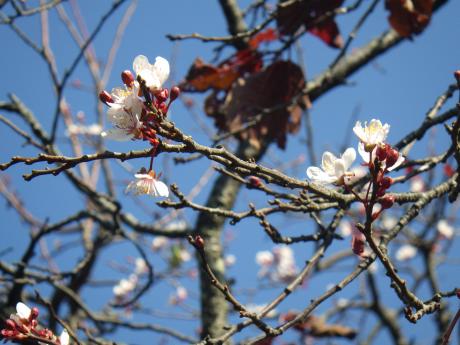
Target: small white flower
124, 114
366, 156
417, 185
64, 338
147, 184
445, 229
159, 242
285, 263
76, 129
179, 296
332, 168
372, 134
184, 255
22, 310
229, 260
264, 258
154, 75
406, 252
388, 222
345, 228
140, 266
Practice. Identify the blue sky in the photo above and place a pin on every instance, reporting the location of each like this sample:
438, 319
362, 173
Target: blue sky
399, 87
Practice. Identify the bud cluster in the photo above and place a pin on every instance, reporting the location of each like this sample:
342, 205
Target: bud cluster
24, 325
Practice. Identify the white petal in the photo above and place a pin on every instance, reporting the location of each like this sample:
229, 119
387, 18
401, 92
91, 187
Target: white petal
362, 152
151, 79
327, 162
398, 162
339, 168
23, 310
349, 157
140, 62
162, 69
161, 189
316, 175
64, 337
116, 134
359, 131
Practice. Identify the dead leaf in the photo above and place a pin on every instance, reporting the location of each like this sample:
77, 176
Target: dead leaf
409, 17
271, 88
310, 13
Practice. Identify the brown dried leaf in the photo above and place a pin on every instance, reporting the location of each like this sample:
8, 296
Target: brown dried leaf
309, 13
271, 88
409, 17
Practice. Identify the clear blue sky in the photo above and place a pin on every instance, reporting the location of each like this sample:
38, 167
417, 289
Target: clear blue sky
398, 88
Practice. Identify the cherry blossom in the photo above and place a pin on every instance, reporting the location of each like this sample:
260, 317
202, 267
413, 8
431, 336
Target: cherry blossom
147, 184
125, 108
64, 338
332, 169
373, 134
406, 252
155, 74
445, 229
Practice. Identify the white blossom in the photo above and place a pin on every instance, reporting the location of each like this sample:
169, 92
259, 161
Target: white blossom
285, 263
22, 310
372, 134
184, 255
417, 185
445, 229
179, 296
124, 114
77, 129
140, 266
125, 286
229, 260
159, 242
155, 74
406, 252
64, 338
332, 169
345, 228
147, 184
264, 258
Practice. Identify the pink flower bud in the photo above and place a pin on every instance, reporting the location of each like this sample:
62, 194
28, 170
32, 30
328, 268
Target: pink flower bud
105, 97
254, 181
127, 77
10, 324
199, 241
387, 201
162, 95
380, 192
33, 313
358, 242
381, 152
386, 182
457, 75
392, 156
175, 92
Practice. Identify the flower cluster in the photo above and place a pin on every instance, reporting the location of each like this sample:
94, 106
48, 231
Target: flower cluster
24, 325
379, 157
135, 111
279, 264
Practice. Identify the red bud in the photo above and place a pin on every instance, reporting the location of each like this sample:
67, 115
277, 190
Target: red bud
175, 92
392, 156
380, 192
127, 77
387, 201
386, 182
254, 181
457, 75
381, 152
105, 97
10, 324
33, 313
199, 241
162, 95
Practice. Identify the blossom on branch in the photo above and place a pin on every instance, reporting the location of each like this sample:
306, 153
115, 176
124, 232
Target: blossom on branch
125, 109
333, 169
155, 74
373, 134
389, 163
148, 184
